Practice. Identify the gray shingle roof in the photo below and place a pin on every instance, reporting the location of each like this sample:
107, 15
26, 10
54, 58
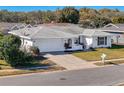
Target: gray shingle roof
56, 31
72, 29
114, 28
42, 32
95, 32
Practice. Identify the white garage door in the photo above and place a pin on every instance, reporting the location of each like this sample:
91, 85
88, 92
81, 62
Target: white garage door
50, 45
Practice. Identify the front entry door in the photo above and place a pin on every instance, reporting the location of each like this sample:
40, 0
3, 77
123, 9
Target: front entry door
68, 44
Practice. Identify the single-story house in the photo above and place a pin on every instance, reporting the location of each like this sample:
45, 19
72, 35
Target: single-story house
117, 30
62, 37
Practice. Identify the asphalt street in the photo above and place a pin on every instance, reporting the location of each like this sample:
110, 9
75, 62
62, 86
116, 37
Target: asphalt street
110, 75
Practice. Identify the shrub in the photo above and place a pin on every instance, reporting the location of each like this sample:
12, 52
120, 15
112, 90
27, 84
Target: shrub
10, 52
18, 58
35, 50
91, 48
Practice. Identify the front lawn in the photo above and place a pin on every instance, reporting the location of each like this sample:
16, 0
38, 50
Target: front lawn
38, 63
14, 60
117, 51
19, 71
7, 69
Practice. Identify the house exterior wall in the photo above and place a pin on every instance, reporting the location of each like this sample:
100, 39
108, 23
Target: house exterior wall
76, 46
26, 43
88, 41
49, 45
95, 41
57, 44
92, 42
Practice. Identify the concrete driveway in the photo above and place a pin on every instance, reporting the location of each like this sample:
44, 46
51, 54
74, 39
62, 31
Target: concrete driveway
69, 61
95, 76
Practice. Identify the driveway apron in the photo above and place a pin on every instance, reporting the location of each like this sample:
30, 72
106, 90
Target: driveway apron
70, 62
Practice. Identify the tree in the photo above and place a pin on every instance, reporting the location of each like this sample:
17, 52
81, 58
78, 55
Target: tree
59, 16
108, 12
48, 16
10, 52
65, 15
70, 14
1, 37
95, 22
100, 21
86, 24
118, 19
87, 17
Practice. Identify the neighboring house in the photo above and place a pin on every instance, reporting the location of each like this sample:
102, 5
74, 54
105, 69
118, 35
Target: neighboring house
62, 37
117, 30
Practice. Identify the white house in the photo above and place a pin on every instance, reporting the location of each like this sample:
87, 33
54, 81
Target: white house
61, 37
117, 30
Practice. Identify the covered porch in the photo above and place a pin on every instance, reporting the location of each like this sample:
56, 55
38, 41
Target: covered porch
73, 44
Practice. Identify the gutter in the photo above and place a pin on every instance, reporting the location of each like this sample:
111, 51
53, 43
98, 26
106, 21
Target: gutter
19, 36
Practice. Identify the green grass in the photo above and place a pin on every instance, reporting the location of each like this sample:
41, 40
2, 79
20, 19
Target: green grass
39, 61
2, 62
6, 69
4, 65
112, 53
109, 63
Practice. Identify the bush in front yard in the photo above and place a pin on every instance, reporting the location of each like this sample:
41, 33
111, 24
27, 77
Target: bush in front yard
17, 58
35, 50
10, 52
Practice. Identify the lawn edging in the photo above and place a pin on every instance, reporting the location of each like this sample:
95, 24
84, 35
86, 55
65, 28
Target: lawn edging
30, 70
109, 62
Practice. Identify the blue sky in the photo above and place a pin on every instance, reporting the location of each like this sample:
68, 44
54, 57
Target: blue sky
33, 8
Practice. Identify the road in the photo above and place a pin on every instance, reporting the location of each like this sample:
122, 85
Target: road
95, 76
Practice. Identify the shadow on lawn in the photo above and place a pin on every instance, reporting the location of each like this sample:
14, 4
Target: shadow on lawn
37, 62
80, 51
114, 46
113, 63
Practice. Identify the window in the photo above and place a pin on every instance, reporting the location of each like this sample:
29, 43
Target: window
102, 40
